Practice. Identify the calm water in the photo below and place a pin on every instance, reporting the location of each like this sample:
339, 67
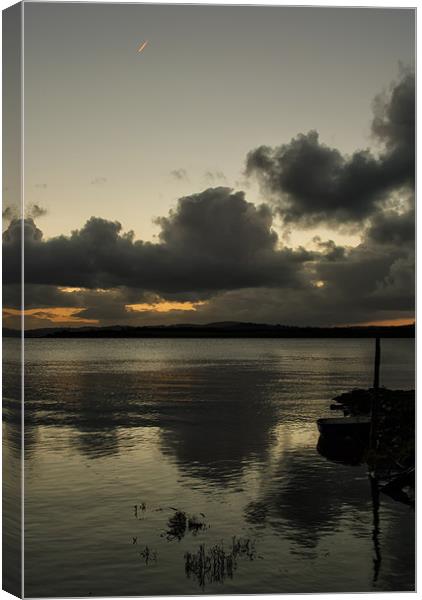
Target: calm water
119, 433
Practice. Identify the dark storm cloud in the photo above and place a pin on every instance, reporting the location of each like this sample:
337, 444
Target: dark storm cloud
373, 280
390, 227
217, 247
313, 183
329, 249
343, 285
36, 296
213, 241
360, 288
394, 117
218, 222
377, 275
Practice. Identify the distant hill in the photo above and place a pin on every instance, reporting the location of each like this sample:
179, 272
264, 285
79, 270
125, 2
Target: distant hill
217, 330
11, 332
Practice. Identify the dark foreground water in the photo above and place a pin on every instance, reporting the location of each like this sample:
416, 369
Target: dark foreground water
121, 433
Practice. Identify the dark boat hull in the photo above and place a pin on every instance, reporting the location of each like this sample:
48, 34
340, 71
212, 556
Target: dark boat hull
346, 427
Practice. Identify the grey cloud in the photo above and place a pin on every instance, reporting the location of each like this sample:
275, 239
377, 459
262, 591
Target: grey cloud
390, 227
306, 307
375, 276
213, 241
394, 116
397, 289
99, 181
372, 281
361, 285
220, 222
313, 183
35, 296
216, 246
179, 174
35, 211
9, 213
213, 177
32, 211
329, 249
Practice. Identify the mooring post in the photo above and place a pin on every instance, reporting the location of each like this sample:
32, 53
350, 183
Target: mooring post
374, 403
375, 494
373, 459
377, 363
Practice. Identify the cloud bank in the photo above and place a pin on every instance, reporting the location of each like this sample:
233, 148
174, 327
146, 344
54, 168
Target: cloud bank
312, 183
213, 241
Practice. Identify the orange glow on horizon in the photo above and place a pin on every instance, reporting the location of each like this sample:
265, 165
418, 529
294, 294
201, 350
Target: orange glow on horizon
73, 290
385, 323
163, 307
54, 315
70, 290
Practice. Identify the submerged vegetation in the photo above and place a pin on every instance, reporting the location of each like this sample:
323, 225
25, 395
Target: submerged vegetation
216, 563
138, 509
176, 526
207, 564
180, 523
147, 555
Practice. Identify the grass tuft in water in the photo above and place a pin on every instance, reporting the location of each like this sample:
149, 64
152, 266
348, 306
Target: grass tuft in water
147, 555
180, 523
215, 564
176, 526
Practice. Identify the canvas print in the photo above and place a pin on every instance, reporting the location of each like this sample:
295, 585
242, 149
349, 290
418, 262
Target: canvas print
208, 299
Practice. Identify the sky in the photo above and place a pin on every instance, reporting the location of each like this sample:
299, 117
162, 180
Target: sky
251, 163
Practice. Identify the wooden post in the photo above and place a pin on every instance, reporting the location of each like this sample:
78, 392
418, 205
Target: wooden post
374, 403
375, 494
373, 477
377, 363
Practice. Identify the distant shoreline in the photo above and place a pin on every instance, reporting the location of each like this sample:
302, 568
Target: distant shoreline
219, 331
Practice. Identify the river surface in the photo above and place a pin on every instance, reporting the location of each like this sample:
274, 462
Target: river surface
124, 437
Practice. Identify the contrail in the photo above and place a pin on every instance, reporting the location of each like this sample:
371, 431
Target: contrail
143, 46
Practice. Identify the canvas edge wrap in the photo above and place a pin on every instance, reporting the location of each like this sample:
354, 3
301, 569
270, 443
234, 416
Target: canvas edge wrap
12, 463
